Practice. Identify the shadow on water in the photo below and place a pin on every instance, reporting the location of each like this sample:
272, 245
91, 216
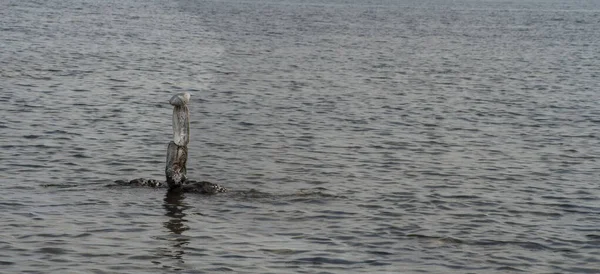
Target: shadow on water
175, 209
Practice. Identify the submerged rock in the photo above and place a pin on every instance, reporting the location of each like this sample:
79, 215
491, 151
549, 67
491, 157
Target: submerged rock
189, 186
142, 182
202, 187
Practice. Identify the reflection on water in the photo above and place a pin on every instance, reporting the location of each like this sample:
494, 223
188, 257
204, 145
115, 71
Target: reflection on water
175, 206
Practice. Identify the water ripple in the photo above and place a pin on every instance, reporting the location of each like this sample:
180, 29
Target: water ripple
356, 137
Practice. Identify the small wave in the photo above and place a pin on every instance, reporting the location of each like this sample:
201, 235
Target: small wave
60, 185
283, 251
301, 193
529, 245
325, 260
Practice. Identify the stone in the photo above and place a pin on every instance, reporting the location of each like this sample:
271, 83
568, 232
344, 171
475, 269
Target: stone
180, 99
175, 170
181, 125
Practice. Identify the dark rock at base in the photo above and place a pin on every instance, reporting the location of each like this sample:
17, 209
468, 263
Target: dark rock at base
142, 182
189, 186
202, 187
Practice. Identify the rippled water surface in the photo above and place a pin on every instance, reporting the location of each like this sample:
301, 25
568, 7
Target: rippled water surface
355, 136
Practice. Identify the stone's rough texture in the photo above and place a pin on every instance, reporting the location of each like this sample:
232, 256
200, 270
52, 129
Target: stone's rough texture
141, 182
202, 187
181, 118
180, 99
181, 125
175, 170
177, 153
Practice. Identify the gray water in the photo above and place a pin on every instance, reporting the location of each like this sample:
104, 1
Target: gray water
355, 136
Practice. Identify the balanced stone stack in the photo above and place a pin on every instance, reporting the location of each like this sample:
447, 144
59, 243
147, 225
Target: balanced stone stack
177, 151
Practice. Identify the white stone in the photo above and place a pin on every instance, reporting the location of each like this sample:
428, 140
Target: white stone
181, 125
180, 99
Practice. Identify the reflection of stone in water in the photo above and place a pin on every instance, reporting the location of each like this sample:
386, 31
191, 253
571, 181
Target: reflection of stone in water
174, 206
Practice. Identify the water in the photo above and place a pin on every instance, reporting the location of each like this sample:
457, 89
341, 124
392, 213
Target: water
355, 136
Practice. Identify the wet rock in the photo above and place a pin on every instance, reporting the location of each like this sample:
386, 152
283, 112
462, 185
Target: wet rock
199, 187
202, 187
175, 169
142, 182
